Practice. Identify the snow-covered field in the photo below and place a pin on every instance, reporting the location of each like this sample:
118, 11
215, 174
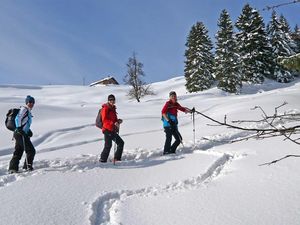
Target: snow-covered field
211, 182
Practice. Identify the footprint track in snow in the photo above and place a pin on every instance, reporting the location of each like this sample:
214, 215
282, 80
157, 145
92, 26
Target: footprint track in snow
137, 158
105, 207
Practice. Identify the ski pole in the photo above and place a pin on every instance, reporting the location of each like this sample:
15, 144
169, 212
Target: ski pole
115, 144
193, 116
179, 135
26, 159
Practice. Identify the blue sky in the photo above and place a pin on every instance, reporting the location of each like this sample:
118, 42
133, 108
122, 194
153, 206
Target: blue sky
68, 41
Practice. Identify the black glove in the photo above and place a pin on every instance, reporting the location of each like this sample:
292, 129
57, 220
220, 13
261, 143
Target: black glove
172, 123
20, 131
116, 127
29, 133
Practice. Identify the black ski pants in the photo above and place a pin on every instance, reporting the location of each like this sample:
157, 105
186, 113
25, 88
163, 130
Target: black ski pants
172, 131
110, 136
23, 143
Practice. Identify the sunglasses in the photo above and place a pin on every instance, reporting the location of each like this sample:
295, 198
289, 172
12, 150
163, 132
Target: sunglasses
111, 99
31, 102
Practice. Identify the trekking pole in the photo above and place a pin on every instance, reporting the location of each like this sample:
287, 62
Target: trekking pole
193, 116
115, 145
180, 137
26, 159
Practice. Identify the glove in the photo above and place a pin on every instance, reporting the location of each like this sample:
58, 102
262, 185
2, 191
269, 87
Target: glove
29, 133
20, 131
120, 121
190, 110
172, 123
117, 127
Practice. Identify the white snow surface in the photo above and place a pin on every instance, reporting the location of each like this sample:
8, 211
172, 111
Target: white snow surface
210, 182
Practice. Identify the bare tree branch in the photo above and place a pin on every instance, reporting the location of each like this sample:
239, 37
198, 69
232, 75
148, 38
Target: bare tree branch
286, 116
277, 160
272, 125
279, 5
272, 129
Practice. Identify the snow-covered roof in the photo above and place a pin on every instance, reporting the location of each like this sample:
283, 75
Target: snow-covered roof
104, 80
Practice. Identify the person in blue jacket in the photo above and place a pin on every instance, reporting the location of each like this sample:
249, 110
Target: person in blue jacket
170, 122
22, 136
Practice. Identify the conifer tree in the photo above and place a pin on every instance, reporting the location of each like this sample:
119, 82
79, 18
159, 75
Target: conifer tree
285, 25
287, 30
254, 48
281, 47
226, 68
199, 59
296, 38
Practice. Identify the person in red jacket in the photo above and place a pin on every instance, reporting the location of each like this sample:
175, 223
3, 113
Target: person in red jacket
110, 129
170, 122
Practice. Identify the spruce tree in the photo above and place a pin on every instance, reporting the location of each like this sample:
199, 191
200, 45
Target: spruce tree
280, 42
198, 69
285, 25
296, 38
254, 48
287, 30
226, 68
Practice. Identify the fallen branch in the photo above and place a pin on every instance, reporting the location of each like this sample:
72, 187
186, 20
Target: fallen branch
277, 160
288, 132
269, 121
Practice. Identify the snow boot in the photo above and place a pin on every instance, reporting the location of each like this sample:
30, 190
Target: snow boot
11, 171
102, 161
116, 160
28, 167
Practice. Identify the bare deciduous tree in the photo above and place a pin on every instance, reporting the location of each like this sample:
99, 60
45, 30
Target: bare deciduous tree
133, 78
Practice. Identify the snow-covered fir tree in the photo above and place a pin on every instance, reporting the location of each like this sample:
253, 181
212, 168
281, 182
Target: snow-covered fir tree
198, 69
287, 30
285, 25
227, 70
296, 38
254, 48
281, 47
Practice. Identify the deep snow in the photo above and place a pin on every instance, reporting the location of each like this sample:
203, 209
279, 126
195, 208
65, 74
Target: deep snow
211, 182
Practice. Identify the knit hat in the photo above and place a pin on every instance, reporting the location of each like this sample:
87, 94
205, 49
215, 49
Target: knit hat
111, 97
29, 99
172, 93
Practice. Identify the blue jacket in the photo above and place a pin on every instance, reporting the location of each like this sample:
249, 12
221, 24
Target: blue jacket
24, 118
171, 117
170, 109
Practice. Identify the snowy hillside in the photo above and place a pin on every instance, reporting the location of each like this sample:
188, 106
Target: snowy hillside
212, 182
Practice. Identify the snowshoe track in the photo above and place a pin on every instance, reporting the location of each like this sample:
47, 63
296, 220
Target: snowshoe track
104, 209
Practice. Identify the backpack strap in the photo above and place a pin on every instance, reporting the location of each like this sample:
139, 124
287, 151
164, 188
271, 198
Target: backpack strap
24, 116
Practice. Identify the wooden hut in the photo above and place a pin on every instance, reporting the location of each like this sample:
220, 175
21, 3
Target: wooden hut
106, 81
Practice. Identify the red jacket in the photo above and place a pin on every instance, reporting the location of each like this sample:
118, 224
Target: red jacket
172, 108
109, 117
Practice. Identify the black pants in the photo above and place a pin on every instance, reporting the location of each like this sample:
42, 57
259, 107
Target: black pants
23, 143
169, 133
110, 136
